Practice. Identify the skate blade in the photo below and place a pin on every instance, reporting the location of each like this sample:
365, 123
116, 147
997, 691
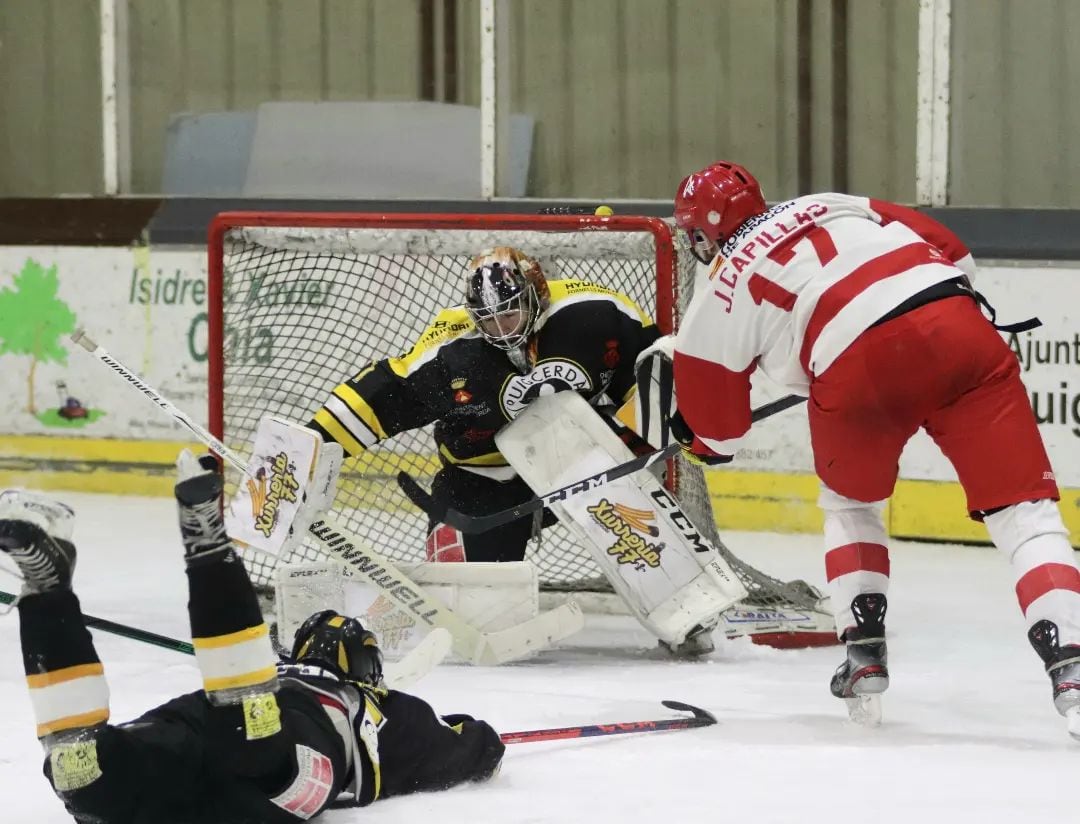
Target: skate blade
1072, 716
865, 710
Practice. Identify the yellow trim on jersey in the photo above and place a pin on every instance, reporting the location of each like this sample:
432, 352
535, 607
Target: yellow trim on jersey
489, 459
361, 408
338, 432
564, 289
231, 638
448, 325
60, 676
246, 679
73, 722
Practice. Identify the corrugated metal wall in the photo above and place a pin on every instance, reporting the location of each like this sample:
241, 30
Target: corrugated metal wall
206, 55
1015, 114
631, 95
628, 95
50, 97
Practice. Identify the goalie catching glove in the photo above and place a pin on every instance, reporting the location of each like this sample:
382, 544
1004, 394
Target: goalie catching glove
653, 412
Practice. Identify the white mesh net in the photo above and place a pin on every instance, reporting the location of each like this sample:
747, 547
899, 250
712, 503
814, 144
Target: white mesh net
305, 306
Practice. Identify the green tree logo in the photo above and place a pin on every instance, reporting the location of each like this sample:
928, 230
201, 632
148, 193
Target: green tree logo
33, 319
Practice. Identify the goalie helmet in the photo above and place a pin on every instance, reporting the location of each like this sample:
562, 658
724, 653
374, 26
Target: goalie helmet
334, 642
711, 204
505, 292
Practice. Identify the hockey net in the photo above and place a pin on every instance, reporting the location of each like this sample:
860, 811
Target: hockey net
301, 301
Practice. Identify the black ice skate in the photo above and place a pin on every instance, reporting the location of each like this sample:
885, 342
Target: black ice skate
35, 531
862, 678
1063, 667
198, 497
698, 642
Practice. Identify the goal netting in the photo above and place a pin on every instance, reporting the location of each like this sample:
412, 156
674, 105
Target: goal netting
301, 301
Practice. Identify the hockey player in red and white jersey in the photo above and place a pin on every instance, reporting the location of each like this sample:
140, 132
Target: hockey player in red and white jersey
868, 308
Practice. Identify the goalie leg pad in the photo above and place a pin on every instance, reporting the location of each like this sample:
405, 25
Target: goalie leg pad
302, 590
670, 576
487, 596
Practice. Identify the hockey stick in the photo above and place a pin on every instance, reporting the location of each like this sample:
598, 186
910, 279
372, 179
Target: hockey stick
477, 647
441, 512
134, 633
417, 663
80, 337
699, 718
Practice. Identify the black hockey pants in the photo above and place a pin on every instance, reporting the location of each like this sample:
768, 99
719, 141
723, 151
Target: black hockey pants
189, 761
475, 494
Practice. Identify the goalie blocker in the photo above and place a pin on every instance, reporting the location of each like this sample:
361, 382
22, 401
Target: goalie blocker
670, 577
290, 479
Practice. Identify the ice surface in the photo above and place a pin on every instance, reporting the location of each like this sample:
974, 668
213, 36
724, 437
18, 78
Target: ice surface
969, 735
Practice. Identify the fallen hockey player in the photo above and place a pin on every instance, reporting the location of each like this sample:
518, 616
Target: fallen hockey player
265, 740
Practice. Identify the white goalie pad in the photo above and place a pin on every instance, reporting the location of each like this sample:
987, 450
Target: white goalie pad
671, 577
291, 479
302, 590
488, 596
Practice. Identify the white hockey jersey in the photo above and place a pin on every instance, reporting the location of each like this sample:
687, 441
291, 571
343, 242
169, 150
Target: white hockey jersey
790, 291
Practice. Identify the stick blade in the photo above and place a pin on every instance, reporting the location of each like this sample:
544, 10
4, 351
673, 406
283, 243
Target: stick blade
706, 717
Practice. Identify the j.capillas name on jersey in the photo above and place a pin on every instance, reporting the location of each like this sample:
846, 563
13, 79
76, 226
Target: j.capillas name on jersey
586, 340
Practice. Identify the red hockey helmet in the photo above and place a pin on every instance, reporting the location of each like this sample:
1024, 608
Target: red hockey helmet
711, 204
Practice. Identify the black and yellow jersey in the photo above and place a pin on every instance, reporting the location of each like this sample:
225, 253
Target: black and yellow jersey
586, 340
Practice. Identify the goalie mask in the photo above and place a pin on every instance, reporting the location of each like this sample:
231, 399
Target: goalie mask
505, 293
334, 642
712, 204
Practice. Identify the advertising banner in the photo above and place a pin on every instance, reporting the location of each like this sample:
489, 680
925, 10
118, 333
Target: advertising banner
147, 308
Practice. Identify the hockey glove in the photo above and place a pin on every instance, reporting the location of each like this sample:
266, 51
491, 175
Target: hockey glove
692, 448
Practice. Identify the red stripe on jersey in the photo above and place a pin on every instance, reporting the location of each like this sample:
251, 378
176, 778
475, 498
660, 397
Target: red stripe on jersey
713, 400
841, 293
327, 701
924, 226
1043, 579
857, 557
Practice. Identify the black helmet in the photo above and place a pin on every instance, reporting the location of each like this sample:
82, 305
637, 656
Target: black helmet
334, 642
504, 295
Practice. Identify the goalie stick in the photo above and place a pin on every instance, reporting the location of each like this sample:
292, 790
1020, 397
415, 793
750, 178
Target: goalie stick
476, 647
399, 675
442, 512
80, 337
699, 718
